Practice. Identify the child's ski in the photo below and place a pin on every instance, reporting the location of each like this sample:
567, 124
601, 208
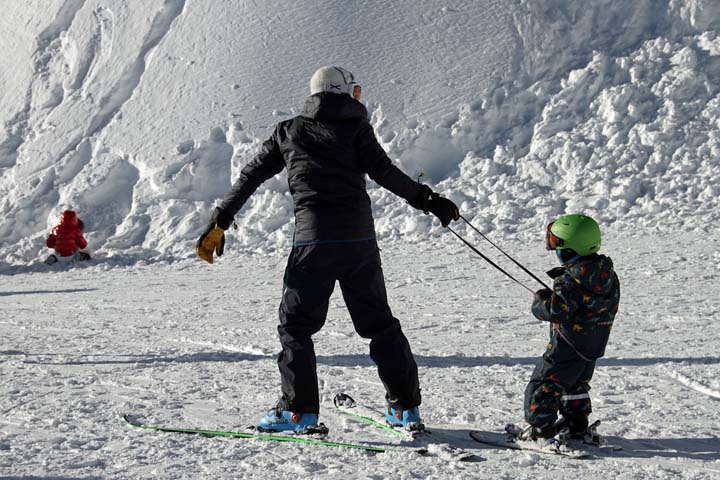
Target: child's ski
346, 405
509, 440
260, 436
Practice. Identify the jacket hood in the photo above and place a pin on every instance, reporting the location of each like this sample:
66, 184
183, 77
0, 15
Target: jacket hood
69, 217
333, 107
595, 273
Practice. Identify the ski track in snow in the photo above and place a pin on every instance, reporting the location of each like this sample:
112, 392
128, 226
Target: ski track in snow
695, 385
187, 344
131, 77
17, 127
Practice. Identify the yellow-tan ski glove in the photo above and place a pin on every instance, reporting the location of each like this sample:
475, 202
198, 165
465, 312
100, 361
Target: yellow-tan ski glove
212, 240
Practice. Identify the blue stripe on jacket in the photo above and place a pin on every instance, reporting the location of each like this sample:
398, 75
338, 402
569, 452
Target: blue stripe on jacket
323, 242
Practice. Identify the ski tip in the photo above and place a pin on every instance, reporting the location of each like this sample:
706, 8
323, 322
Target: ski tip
343, 400
471, 457
131, 420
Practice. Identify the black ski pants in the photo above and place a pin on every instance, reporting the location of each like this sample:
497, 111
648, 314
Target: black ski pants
560, 382
310, 277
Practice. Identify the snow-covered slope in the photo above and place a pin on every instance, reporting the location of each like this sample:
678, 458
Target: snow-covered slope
139, 117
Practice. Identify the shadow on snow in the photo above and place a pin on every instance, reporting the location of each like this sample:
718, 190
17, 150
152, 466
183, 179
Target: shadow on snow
42, 292
707, 449
353, 360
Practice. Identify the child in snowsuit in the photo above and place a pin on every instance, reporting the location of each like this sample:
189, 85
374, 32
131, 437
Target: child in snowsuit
327, 151
67, 239
581, 308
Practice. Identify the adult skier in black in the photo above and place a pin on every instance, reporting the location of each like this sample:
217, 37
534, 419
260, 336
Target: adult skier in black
327, 151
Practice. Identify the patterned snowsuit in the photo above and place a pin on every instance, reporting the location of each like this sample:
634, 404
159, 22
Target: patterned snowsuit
581, 311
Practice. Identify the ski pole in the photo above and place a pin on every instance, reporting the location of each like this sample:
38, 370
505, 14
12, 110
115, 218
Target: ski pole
503, 252
490, 261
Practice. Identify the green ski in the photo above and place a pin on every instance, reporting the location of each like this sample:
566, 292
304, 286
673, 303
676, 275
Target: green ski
425, 440
344, 401
260, 436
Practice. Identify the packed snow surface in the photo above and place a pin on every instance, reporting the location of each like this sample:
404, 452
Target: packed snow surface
192, 345
139, 115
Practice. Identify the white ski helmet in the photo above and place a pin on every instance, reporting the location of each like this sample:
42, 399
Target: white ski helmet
334, 80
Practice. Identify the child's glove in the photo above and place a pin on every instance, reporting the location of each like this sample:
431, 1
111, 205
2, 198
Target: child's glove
211, 240
539, 306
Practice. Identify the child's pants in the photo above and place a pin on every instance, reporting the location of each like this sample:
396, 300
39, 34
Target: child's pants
560, 382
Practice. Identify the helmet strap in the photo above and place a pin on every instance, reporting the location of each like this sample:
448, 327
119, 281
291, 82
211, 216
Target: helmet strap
574, 259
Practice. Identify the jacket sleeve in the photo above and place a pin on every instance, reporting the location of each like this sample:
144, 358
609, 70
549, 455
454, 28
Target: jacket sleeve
51, 241
266, 164
562, 304
80, 240
375, 162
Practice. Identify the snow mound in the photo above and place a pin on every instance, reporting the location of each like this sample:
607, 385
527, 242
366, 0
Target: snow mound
519, 111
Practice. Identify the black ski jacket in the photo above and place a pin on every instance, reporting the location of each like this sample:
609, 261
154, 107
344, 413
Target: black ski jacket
327, 150
585, 299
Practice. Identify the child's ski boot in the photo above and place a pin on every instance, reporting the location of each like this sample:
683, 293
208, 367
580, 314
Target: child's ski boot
542, 438
588, 435
81, 256
277, 420
407, 419
591, 435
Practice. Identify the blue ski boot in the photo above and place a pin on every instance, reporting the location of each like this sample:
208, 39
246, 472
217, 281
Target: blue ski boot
407, 419
277, 420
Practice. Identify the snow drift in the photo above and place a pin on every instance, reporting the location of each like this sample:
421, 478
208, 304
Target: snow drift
139, 118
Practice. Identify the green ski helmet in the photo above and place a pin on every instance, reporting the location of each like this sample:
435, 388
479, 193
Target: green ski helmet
577, 232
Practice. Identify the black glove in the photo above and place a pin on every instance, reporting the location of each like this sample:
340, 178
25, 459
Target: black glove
430, 202
543, 294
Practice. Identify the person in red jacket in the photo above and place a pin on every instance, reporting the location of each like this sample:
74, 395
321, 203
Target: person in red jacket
67, 239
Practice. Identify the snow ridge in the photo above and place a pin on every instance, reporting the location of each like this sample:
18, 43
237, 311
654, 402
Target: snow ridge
17, 128
605, 107
693, 384
132, 76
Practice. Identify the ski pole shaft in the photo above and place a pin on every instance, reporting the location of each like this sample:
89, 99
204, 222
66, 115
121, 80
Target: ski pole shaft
503, 252
489, 261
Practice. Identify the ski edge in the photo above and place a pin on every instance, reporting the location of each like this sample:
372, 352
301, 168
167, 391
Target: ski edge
261, 436
479, 437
